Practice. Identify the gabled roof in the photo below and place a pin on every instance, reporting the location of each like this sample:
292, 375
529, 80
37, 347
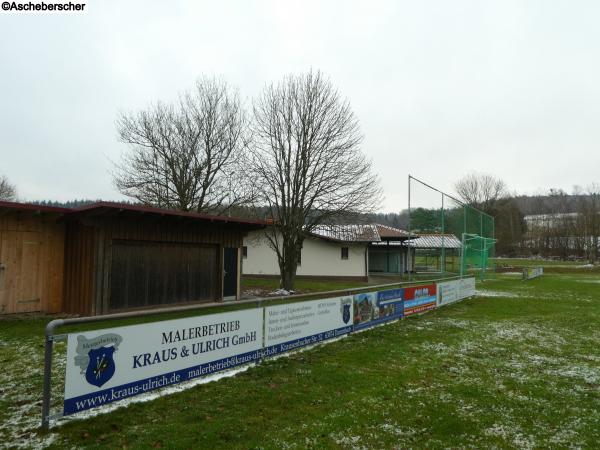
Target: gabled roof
347, 233
360, 233
392, 234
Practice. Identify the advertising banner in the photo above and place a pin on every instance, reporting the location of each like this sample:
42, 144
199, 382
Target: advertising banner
466, 287
112, 364
295, 325
447, 292
532, 272
455, 290
373, 308
418, 299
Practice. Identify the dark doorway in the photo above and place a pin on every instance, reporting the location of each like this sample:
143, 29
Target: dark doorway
159, 273
230, 267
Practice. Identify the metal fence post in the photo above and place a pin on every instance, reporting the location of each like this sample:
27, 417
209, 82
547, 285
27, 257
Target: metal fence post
47, 384
49, 346
264, 329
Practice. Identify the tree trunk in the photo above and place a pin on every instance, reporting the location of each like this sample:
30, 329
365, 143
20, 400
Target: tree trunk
289, 266
288, 279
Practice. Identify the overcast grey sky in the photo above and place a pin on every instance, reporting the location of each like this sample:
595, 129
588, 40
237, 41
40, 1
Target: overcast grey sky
441, 88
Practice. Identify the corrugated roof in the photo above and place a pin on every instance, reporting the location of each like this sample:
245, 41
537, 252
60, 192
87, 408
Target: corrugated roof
435, 241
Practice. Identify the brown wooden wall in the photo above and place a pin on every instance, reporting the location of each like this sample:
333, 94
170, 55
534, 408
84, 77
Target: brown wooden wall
79, 268
32, 259
89, 252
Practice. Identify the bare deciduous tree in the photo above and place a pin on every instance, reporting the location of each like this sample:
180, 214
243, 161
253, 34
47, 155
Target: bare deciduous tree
481, 190
307, 163
187, 155
8, 192
588, 221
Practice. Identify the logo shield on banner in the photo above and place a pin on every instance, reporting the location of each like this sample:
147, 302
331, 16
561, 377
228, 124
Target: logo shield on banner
101, 365
346, 313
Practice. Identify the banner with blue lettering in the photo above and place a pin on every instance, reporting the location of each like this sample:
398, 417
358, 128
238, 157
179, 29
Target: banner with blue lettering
295, 325
112, 364
107, 365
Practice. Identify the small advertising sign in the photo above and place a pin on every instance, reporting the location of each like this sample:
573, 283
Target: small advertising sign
374, 308
418, 299
455, 290
466, 287
447, 292
532, 272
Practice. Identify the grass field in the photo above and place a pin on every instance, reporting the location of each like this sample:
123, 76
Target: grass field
528, 262
518, 366
302, 284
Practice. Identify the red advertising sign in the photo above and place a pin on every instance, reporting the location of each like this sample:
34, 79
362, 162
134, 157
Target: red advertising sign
418, 299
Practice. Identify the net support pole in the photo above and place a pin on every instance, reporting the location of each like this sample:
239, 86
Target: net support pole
408, 256
443, 255
463, 254
483, 247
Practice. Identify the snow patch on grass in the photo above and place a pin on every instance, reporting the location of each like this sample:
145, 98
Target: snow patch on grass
149, 396
21, 401
438, 347
590, 375
348, 441
512, 434
490, 293
457, 323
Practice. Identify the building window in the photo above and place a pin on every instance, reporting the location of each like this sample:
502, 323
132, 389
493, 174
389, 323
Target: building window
344, 252
244, 252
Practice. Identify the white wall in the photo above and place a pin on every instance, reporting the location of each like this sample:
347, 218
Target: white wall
319, 258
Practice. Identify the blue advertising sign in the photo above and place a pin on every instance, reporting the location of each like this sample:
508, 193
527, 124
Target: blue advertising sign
374, 308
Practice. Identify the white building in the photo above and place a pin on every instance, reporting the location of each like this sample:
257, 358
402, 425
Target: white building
335, 251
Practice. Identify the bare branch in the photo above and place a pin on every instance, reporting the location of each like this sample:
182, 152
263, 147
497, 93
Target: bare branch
481, 190
8, 192
306, 162
187, 155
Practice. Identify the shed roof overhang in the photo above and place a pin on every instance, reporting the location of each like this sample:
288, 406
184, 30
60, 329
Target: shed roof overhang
110, 209
31, 209
121, 210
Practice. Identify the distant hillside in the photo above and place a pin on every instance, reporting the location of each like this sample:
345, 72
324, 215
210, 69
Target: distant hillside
548, 204
70, 203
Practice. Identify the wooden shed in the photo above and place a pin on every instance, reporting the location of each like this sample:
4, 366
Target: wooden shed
31, 258
112, 257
